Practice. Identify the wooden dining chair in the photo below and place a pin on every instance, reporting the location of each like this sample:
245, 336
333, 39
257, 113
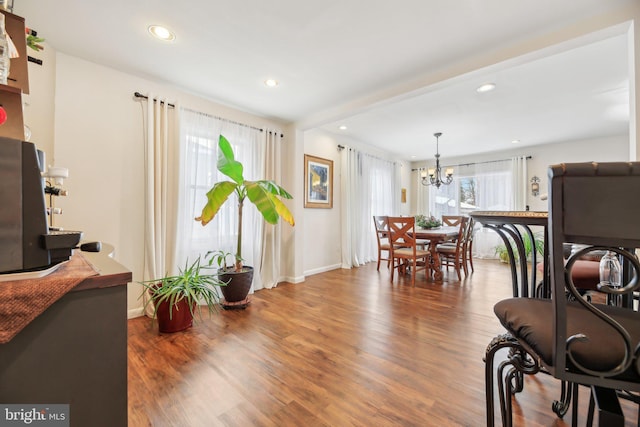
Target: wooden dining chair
404, 249
381, 224
451, 220
453, 254
467, 250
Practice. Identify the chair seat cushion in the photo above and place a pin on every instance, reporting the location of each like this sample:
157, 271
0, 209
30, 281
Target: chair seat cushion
407, 252
446, 249
386, 246
585, 274
530, 320
447, 245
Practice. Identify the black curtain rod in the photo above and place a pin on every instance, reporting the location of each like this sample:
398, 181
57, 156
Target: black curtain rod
224, 120
139, 95
467, 164
364, 153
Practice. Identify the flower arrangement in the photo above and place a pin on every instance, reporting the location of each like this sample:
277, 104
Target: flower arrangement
424, 221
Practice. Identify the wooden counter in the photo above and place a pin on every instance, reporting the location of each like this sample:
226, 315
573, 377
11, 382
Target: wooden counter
76, 351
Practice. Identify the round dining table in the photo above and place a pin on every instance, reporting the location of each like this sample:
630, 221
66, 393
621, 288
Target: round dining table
437, 236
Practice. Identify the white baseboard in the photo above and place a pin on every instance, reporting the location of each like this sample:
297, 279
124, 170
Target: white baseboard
322, 269
290, 279
135, 312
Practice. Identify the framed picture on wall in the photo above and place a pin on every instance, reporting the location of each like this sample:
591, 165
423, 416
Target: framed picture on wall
318, 182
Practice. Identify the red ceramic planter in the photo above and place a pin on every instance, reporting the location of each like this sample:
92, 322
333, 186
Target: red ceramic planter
179, 320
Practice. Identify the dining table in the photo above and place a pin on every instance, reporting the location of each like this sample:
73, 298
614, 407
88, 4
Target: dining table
436, 236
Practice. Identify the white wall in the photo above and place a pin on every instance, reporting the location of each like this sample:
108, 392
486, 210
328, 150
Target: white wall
322, 236
98, 135
38, 109
610, 149
322, 227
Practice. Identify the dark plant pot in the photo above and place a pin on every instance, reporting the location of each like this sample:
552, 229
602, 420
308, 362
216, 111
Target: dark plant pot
238, 284
179, 320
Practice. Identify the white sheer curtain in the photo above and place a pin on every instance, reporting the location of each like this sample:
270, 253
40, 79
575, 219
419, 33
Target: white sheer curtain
422, 194
161, 178
445, 200
494, 193
491, 186
370, 186
270, 248
520, 184
350, 202
199, 135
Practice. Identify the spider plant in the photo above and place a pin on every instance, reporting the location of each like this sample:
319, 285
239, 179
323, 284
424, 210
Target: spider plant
190, 285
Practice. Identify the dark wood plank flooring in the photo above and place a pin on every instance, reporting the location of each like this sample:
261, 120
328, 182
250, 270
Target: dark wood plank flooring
344, 348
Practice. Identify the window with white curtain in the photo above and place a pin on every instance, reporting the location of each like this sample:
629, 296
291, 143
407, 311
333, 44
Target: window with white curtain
369, 187
380, 199
382, 180
199, 135
487, 186
481, 186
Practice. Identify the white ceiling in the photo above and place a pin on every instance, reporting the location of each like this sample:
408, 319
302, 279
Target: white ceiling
330, 57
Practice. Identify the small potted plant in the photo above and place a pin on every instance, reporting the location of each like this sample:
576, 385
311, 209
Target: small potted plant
537, 244
177, 298
265, 195
427, 222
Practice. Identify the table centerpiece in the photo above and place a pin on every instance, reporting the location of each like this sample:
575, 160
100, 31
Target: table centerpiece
428, 222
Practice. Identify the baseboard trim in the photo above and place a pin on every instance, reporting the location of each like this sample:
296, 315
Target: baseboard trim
322, 269
290, 279
135, 312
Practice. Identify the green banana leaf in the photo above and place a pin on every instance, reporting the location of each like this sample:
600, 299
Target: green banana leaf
264, 194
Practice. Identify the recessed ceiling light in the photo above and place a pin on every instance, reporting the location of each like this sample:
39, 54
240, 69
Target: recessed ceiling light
342, 127
162, 33
271, 83
487, 87
515, 141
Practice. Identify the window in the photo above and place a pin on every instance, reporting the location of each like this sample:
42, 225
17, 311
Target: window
199, 135
483, 186
369, 188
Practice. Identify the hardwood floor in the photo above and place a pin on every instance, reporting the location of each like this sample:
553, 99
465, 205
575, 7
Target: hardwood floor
344, 348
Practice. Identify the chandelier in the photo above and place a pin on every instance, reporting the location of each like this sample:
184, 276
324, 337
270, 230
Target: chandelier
434, 176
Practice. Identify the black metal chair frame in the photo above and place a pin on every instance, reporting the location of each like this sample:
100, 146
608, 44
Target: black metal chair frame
596, 205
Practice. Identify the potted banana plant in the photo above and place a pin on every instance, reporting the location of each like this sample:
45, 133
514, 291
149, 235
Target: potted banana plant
264, 195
